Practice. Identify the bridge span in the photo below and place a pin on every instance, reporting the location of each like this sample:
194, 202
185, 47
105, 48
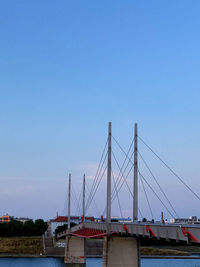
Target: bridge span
121, 246
178, 232
121, 242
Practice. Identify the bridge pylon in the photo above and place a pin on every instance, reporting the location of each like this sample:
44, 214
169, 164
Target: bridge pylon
108, 204
135, 181
118, 250
74, 246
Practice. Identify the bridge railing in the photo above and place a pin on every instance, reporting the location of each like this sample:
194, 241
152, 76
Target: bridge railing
187, 233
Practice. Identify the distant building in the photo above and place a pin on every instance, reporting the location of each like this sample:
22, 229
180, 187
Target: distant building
61, 220
6, 218
193, 218
49, 222
190, 220
121, 219
124, 220
115, 219
23, 220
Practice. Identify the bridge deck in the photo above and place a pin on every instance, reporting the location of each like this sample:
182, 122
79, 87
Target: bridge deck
178, 232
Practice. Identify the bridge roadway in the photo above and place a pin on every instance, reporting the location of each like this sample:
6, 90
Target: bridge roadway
178, 232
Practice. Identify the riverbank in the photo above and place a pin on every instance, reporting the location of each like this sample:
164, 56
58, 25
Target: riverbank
32, 247
169, 257
94, 248
23, 256
162, 252
13, 255
21, 246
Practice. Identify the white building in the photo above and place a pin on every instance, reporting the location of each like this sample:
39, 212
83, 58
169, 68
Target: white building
190, 220
61, 220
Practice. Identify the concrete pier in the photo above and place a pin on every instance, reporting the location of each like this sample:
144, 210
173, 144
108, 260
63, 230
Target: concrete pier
75, 251
121, 251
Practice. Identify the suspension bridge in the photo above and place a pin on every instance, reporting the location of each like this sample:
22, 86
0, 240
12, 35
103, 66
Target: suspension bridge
121, 240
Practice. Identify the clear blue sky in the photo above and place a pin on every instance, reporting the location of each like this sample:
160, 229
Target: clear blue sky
69, 67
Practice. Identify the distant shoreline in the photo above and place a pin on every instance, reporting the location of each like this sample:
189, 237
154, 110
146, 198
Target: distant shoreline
91, 256
5, 255
169, 257
32, 247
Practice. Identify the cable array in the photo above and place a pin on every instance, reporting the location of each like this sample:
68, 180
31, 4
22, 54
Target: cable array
162, 191
98, 177
147, 199
121, 178
170, 169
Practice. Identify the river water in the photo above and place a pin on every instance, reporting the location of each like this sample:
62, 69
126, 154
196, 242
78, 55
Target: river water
51, 262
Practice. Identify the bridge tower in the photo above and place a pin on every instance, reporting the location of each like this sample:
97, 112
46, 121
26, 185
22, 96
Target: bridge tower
135, 183
109, 166
83, 216
74, 246
69, 199
118, 250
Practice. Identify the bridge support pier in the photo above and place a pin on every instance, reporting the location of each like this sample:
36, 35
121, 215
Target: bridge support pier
75, 251
121, 251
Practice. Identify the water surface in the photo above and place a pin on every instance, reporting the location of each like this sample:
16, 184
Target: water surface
51, 262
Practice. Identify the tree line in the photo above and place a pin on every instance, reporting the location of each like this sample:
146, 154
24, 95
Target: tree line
63, 227
28, 228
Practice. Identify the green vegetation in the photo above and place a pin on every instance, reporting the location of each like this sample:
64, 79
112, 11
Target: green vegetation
191, 248
146, 241
21, 245
63, 227
162, 252
153, 246
16, 228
